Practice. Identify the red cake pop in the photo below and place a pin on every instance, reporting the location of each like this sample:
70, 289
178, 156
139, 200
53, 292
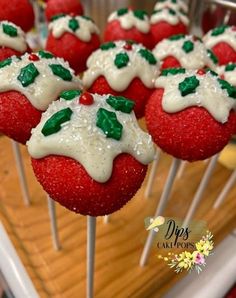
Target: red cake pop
185, 51
74, 39
190, 115
127, 24
56, 7
122, 68
12, 40
222, 41
167, 22
89, 153
27, 85
20, 12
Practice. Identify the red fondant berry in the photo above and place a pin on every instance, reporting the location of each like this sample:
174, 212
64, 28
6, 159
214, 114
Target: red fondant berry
86, 99
33, 57
201, 72
128, 47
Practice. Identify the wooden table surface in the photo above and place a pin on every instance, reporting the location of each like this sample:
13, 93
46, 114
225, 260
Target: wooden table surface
119, 243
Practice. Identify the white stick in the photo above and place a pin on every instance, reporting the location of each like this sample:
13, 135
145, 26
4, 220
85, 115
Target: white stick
229, 184
160, 208
91, 238
21, 172
106, 219
181, 169
53, 223
199, 193
152, 175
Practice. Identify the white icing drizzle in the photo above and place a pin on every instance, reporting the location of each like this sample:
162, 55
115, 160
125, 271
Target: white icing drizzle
128, 21
83, 141
101, 63
164, 15
46, 87
229, 37
208, 95
17, 43
197, 58
168, 3
84, 32
229, 75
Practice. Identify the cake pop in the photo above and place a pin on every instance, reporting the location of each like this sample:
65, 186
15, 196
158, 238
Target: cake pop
74, 39
185, 51
89, 153
122, 68
127, 24
27, 85
20, 12
56, 7
191, 114
167, 22
222, 41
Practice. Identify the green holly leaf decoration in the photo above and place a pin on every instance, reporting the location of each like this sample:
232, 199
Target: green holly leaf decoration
122, 11
121, 60
148, 56
228, 87
172, 71
73, 24
46, 55
58, 16
28, 74
5, 62
61, 72
53, 124
70, 94
212, 56
172, 11
140, 14
107, 46
9, 30
176, 37
230, 67
109, 124
188, 85
156, 11
87, 18
188, 46
120, 103
211, 72
219, 30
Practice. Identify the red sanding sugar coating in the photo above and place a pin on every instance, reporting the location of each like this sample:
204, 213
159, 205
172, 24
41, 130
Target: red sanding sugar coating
224, 52
67, 182
192, 134
72, 49
170, 62
8, 52
163, 30
55, 7
136, 91
17, 116
19, 12
114, 31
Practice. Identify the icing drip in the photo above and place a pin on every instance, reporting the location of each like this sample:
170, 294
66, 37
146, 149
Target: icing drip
40, 81
228, 36
203, 91
129, 20
80, 26
102, 63
196, 58
81, 139
176, 5
17, 42
170, 16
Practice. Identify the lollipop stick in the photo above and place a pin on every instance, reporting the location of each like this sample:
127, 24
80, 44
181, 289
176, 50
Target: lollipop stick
53, 223
160, 208
181, 169
106, 219
91, 237
21, 172
152, 175
199, 193
226, 189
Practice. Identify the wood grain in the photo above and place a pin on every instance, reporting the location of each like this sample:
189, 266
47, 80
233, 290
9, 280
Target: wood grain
119, 243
